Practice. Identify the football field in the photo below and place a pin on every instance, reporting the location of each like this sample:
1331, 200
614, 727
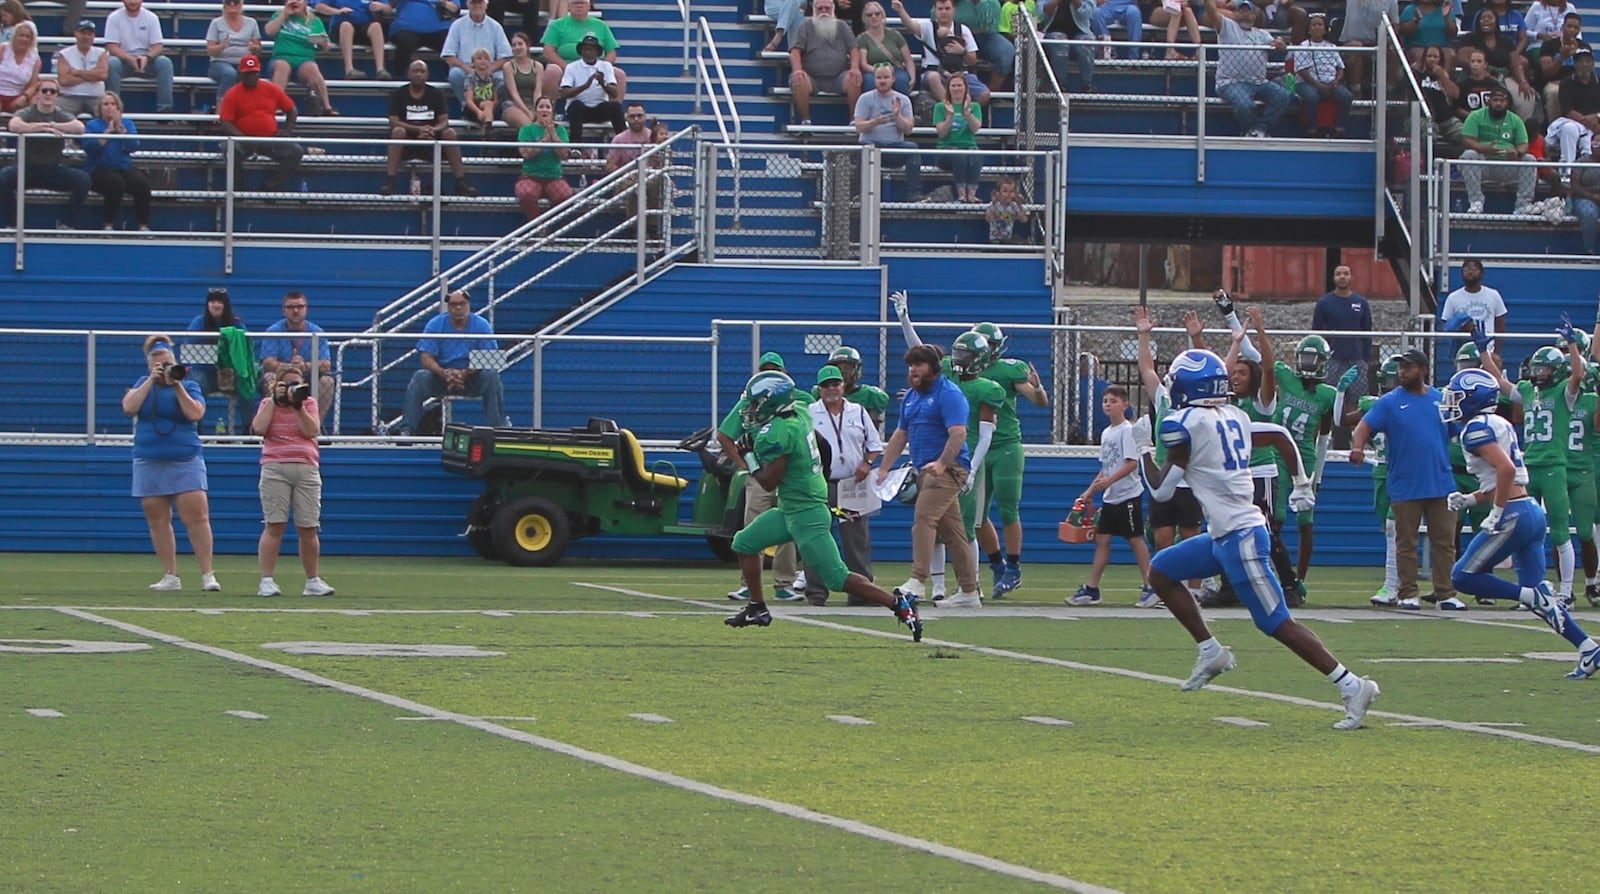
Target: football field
457, 725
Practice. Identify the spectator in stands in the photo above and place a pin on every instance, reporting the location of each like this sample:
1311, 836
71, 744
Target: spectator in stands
19, 68
1071, 20
593, 94
1441, 94
1345, 310
292, 347
1005, 213
1474, 305
1012, 12
250, 110
1510, 23
482, 92
46, 127
417, 24
468, 34
529, 10
133, 38
561, 46
1362, 20
1585, 188
1544, 19
522, 75
883, 118
229, 38
957, 121
12, 14
1242, 74
417, 111
982, 18
297, 36
110, 163
786, 17
1284, 15
1497, 134
291, 478
824, 58
948, 50
1126, 13
447, 364
849, 12
168, 470
218, 313
1170, 14
1574, 130
1474, 90
1429, 23
541, 160
881, 45
1556, 60
625, 150
349, 18
81, 70
1319, 77
1504, 58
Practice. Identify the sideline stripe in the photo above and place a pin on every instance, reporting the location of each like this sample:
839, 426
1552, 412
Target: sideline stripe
1141, 675
781, 808
45, 712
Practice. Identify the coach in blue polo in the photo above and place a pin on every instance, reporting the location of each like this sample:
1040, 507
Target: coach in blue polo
1419, 479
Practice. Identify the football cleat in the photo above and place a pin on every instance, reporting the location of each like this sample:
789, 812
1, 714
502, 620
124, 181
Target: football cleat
1548, 607
1086, 595
1208, 669
1385, 598
1355, 706
1588, 663
1149, 599
1592, 593
1452, 605
788, 594
907, 614
753, 613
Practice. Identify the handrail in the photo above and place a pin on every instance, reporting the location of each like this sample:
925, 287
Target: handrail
709, 42
683, 11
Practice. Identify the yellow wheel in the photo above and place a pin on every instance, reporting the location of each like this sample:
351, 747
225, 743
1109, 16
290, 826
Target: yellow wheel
531, 531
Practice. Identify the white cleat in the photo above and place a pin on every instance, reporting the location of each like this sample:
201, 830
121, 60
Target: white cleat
268, 587
1208, 669
167, 583
962, 600
1355, 706
316, 586
1385, 597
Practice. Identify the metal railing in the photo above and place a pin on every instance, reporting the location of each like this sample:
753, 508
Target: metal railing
683, 12
1496, 175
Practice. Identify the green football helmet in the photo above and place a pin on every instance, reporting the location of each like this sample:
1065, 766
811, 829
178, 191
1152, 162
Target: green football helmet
1311, 357
1546, 366
970, 353
1468, 357
1389, 373
848, 360
997, 339
767, 395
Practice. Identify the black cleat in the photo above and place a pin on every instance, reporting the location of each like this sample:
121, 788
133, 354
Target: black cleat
753, 613
1483, 600
1592, 593
907, 613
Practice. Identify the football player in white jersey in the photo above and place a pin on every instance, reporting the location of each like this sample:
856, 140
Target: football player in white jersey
1516, 525
1208, 444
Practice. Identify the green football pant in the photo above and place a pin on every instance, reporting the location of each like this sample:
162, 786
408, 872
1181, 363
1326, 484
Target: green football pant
1002, 466
1548, 485
1581, 496
809, 529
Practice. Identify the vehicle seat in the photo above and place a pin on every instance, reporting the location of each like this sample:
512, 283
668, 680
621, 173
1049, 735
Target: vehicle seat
632, 459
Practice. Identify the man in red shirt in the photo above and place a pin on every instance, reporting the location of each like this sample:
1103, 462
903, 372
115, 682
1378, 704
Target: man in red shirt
249, 109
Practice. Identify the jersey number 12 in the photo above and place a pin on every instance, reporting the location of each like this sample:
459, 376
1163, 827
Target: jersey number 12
1234, 453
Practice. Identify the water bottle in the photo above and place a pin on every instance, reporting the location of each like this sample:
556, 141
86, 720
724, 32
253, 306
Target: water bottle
304, 186
1289, 82
221, 427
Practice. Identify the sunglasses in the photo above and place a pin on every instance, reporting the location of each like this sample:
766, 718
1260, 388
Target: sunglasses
48, 92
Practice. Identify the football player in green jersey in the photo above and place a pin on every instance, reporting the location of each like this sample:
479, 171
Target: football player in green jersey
1377, 456
1542, 405
1580, 467
1003, 472
969, 356
872, 399
1307, 407
1592, 382
784, 459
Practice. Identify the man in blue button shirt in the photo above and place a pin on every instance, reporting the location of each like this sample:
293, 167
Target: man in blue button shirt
933, 424
1419, 479
447, 364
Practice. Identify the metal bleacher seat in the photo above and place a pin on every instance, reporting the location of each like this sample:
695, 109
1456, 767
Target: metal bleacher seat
479, 358
206, 355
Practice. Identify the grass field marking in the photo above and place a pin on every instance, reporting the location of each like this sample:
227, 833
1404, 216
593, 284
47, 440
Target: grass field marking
651, 718
1241, 721
1444, 660
246, 715
217, 612
1145, 676
45, 712
1047, 721
782, 808
850, 720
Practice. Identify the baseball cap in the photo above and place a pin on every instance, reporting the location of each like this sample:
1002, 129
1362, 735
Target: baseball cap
589, 40
1582, 51
1413, 357
829, 373
772, 359
216, 292
1243, 5
84, 25
250, 63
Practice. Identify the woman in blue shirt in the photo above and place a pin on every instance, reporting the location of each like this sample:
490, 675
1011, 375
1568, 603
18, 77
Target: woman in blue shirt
168, 470
110, 163
419, 23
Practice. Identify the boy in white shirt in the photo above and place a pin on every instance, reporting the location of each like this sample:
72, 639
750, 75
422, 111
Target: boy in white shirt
1122, 512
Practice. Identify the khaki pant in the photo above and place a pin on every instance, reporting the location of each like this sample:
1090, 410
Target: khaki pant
1442, 527
938, 516
757, 500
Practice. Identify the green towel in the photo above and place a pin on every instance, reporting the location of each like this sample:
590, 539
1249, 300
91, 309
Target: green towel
234, 352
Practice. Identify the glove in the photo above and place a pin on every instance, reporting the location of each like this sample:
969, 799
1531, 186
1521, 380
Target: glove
1456, 322
1349, 378
1304, 496
1481, 339
1491, 522
900, 301
1568, 336
751, 463
966, 486
1142, 436
1459, 501
1224, 302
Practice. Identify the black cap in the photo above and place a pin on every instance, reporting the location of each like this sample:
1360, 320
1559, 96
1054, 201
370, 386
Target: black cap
589, 40
216, 292
1413, 356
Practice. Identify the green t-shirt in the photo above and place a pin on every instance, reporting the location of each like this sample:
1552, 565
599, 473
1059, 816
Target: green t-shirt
1507, 133
545, 165
961, 135
1581, 431
802, 485
891, 52
1300, 409
1545, 423
979, 391
1008, 15
293, 43
1378, 446
564, 34
982, 16
1009, 373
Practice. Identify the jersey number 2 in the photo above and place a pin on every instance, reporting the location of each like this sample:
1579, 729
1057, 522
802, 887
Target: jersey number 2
1234, 453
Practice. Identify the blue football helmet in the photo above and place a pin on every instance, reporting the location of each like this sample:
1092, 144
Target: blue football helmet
768, 394
1470, 392
1198, 377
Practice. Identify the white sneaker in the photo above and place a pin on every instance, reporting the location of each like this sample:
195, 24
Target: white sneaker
168, 582
799, 582
1355, 706
208, 583
1475, 207
1385, 596
740, 595
268, 587
316, 587
1149, 599
962, 600
911, 589
939, 592
1208, 669
1452, 605
1411, 605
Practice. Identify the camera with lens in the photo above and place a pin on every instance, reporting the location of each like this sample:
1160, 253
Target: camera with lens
174, 372
292, 394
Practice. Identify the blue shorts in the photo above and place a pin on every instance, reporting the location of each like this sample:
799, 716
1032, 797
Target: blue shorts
1243, 556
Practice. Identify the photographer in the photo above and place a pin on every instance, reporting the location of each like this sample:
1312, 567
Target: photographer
168, 470
287, 421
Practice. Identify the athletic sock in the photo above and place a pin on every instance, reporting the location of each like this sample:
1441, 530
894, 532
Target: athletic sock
1391, 571
1210, 648
1013, 558
1564, 562
995, 558
1233, 322
1348, 681
1591, 581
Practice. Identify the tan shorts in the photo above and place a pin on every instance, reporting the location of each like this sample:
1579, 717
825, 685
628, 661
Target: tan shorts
296, 485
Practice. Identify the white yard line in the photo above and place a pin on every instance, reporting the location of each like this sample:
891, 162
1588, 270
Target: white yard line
899, 634
781, 808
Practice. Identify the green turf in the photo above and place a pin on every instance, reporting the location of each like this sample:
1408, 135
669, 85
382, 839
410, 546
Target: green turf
1146, 791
